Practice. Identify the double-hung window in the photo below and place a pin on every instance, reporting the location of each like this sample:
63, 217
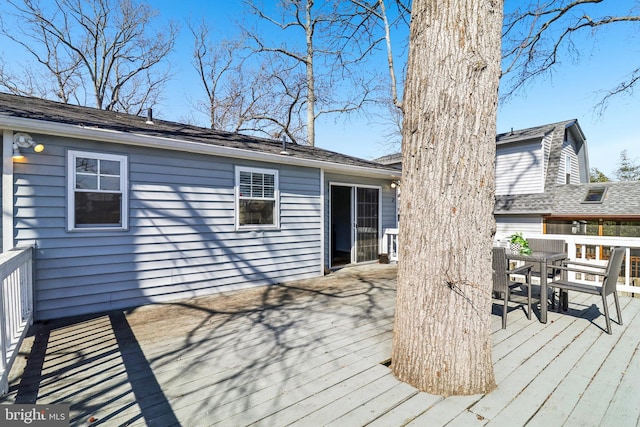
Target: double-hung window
257, 204
97, 191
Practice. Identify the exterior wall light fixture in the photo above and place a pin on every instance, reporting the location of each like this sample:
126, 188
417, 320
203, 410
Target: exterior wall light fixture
395, 183
24, 140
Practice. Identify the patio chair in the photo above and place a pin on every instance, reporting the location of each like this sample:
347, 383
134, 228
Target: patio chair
502, 282
546, 245
609, 282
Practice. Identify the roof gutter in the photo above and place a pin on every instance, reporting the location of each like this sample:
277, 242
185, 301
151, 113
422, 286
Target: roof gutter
515, 139
78, 131
529, 213
568, 217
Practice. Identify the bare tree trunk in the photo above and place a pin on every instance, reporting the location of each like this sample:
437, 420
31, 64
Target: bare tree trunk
442, 332
311, 90
392, 70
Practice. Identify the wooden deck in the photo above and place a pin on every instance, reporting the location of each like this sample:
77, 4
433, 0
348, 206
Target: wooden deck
309, 353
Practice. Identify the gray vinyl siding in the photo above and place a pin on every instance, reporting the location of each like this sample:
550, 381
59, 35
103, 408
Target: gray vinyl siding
181, 241
528, 225
387, 199
569, 149
546, 150
519, 168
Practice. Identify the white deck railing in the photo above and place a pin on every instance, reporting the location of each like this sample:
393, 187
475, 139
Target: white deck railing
16, 307
589, 249
390, 243
579, 248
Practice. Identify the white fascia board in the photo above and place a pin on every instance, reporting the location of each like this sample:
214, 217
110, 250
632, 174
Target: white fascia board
78, 131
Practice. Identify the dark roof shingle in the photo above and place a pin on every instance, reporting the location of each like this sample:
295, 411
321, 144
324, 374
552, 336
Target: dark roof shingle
531, 133
620, 198
51, 111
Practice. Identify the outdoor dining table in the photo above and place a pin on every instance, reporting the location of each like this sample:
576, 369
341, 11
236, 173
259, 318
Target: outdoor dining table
544, 259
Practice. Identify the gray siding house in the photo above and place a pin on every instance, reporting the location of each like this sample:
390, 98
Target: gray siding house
543, 189
530, 164
542, 186
124, 210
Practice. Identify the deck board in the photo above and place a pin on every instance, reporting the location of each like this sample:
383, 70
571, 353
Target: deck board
603, 387
309, 353
390, 397
406, 411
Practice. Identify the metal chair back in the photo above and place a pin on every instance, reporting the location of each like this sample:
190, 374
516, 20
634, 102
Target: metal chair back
500, 267
613, 270
546, 245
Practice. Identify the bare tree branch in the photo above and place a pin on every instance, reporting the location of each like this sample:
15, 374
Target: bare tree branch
102, 49
534, 39
315, 39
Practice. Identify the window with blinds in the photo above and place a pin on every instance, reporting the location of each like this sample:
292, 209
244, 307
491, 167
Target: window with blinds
257, 198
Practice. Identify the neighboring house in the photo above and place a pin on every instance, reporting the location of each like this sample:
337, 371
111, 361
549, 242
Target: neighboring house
542, 187
394, 160
530, 163
126, 210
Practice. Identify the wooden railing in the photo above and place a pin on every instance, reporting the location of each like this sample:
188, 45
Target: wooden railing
16, 307
390, 243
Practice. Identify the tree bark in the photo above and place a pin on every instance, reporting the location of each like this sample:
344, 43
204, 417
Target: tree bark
442, 331
311, 84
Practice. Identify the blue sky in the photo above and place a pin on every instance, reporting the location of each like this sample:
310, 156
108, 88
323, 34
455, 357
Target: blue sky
571, 92
604, 59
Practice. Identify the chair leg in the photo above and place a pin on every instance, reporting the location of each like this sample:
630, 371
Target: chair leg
505, 309
615, 298
606, 313
529, 295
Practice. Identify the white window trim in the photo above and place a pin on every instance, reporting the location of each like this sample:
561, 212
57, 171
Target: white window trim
568, 165
71, 187
276, 196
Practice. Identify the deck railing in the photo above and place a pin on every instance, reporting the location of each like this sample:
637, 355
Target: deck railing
390, 243
595, 249
16, 307
580, 248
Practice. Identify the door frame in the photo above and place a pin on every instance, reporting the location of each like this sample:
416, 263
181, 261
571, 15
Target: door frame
353, 212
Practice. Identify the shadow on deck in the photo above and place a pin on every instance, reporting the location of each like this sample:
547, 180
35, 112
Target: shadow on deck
193, 362
310, 353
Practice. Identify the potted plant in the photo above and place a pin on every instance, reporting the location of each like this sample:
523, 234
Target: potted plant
519, 244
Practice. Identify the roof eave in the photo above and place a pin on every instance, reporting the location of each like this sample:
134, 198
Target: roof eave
21, 124
521, 212
591, 216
